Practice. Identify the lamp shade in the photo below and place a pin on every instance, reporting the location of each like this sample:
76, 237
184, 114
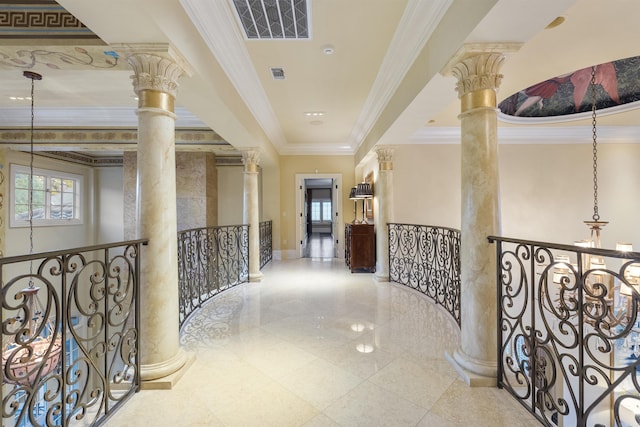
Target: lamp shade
363, 191
352, 193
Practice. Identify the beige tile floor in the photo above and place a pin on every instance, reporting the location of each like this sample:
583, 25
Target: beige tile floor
314, 345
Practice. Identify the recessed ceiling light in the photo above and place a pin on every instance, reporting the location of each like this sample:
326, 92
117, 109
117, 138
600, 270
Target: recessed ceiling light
20, 98
314, 113
328, 49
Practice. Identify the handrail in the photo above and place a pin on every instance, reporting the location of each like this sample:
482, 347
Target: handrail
49, 254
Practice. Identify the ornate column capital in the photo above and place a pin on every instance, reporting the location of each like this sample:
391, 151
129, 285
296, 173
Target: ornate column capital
385, 158
154, 72
477, 69
251, 159
157, 68
478, 72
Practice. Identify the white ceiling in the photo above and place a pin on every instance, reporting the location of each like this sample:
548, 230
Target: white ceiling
382, 85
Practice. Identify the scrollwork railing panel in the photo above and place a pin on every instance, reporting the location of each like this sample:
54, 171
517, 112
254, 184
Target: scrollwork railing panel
427, 259
569, 336
69, 334
210, 260
266, 242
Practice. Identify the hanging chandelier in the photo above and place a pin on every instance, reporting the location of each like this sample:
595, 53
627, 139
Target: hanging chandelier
37, 347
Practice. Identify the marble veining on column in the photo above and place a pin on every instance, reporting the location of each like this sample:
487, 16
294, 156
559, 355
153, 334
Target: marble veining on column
478, 79
155, 82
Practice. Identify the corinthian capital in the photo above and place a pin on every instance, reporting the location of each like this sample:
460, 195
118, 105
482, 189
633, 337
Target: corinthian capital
478, 72
251, 159
154, 72
385, 158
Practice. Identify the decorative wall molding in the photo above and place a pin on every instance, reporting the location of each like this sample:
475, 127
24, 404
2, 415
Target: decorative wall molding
71, 57
96, 140
83, 159
40, 19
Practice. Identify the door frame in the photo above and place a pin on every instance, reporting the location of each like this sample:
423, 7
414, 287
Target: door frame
336, 205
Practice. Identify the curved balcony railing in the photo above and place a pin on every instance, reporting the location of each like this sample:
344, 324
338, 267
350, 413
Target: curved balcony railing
70, 334
568, 332
266, 245
427, 259
210, 260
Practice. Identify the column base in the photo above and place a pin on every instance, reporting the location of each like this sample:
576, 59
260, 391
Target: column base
158, 371
256, 277
474, 373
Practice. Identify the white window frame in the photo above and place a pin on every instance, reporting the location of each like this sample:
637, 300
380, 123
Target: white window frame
47, 221
322, 203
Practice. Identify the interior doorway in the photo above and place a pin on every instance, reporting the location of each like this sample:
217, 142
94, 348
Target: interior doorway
318, 197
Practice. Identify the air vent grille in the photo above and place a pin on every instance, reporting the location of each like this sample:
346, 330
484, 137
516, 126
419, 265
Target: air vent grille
277, 73
274, 19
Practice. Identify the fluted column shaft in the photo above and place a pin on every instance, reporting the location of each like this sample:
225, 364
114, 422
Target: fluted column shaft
384, 197
478, 80
251, 211
155, 83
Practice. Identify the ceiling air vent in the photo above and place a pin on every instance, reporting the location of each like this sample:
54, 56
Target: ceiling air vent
274, 19
277, 73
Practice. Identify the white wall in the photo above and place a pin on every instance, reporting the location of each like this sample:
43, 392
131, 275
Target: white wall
230, 194
546, 190
109, 205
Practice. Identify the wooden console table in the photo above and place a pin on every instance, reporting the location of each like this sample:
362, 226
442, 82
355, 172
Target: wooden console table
360, 247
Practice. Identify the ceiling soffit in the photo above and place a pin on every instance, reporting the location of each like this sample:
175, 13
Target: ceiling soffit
418, 22
215, 23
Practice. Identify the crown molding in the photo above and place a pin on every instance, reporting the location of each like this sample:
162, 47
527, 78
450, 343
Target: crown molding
215, 22
316, 150
418, 22
534, 135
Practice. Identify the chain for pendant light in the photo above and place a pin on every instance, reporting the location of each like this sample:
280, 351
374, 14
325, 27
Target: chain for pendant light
33, 76
596, 215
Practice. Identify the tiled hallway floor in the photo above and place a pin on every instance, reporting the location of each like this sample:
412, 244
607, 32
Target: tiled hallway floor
314, 345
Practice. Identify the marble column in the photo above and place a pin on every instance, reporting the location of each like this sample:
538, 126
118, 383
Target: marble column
155, 84
251, 210
383, 193
478, 80
4, 187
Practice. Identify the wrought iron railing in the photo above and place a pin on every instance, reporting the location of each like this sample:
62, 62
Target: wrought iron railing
568, 332
266, 246
70, 322
427, 258
210, 260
